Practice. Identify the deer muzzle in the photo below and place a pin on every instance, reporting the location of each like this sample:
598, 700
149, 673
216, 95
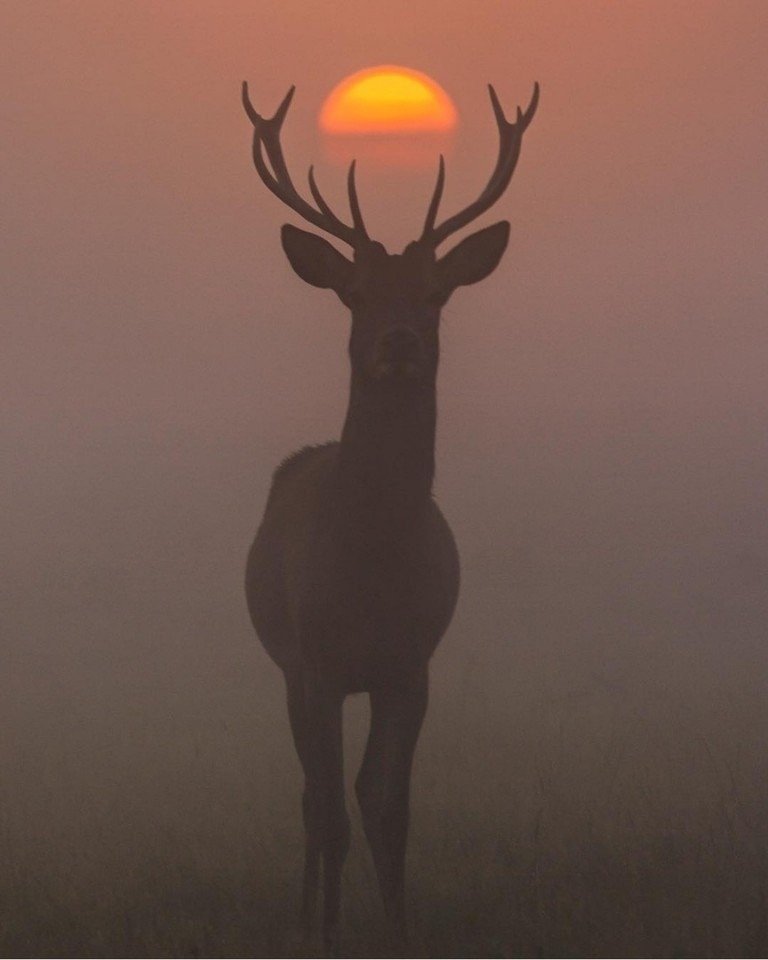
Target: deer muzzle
399, 354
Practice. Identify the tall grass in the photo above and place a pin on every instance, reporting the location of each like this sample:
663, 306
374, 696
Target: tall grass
184, 839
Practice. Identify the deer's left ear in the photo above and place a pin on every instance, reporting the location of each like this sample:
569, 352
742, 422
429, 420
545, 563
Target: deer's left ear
471, 260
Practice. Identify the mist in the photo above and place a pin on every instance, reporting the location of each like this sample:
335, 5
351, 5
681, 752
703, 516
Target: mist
592, 776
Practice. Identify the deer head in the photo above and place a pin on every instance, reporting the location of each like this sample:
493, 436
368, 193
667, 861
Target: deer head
395, 299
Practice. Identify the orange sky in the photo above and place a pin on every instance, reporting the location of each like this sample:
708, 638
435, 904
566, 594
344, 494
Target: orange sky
160, 356
141, 246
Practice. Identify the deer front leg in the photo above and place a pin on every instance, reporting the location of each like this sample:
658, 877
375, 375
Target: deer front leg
383, 787
325, 815
300, 727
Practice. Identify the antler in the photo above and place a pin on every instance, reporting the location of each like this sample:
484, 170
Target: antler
510, 142
266, 135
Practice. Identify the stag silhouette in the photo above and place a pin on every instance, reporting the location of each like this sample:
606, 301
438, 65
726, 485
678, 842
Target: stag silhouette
354, 573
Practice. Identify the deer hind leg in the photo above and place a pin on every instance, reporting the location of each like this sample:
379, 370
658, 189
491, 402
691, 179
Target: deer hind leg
383, 788
316, 721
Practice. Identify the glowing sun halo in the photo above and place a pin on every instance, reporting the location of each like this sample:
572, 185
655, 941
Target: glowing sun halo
387, 99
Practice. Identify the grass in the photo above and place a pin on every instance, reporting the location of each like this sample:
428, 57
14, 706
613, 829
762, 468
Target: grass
584, 828
476, 891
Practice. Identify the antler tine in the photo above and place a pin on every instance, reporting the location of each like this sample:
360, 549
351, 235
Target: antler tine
324, 206
434, 203
318, 197
266, 135
354, 203
256, 118
510, 142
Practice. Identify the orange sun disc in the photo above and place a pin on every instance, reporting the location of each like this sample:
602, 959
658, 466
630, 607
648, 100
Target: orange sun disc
387, 99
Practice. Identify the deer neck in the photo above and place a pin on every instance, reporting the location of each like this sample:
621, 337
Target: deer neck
387, 454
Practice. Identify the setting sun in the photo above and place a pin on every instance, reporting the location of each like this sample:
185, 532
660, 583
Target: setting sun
387, 99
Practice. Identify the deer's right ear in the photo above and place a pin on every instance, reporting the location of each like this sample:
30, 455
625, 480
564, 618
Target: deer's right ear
315, 260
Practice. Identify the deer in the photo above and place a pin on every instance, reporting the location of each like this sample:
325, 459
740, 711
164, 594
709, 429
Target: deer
353, 576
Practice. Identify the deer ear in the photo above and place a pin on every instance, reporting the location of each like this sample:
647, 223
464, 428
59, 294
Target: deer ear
473, 259
315, 260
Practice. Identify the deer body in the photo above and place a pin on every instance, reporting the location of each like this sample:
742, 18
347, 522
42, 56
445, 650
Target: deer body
354, 574
375, 599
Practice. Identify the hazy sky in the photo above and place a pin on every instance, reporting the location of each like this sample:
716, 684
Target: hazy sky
601, 448
142, 252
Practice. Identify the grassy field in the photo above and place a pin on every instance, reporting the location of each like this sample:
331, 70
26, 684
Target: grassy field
580, 848
474, 894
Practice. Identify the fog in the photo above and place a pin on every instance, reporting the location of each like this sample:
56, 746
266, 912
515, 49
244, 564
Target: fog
596, 736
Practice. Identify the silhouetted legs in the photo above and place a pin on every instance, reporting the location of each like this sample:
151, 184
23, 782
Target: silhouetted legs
315, 712
297, 714
383, 787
